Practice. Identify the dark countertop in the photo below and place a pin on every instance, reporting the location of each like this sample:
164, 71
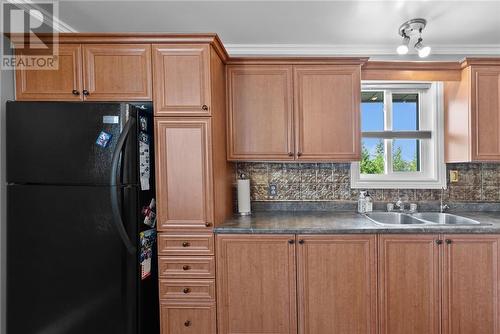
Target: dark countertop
318, 222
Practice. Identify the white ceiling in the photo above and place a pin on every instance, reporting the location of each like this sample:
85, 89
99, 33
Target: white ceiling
369, 28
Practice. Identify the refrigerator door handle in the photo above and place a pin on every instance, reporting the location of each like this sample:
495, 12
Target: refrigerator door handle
115, 189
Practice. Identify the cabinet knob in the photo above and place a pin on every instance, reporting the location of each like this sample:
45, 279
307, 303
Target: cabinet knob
186, 267
186, 290
291, 241
301, 241
75, 92
290, 154
187, 323
186, 244
299, 154
439, 242
204, 107
448, 241
86, 92
208, 224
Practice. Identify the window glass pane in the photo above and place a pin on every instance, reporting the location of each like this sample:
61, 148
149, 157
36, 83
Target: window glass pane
405, 111
372, 111
372, 156
406, 155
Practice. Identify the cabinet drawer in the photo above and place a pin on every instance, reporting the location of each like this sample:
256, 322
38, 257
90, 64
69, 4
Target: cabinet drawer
187, 267
183, 289
186, 318
186, 244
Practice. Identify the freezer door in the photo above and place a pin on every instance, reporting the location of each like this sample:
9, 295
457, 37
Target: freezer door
68, 271
68, 143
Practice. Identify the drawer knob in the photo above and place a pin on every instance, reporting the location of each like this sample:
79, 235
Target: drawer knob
290, 154
208, 224
301, 241
448, 241
186, 244
75, 92
186, 267
187, 323
86, 92
186, 290
204, 107
299, 154
439, 242
291, 241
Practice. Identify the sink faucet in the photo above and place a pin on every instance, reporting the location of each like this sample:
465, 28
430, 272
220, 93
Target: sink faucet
442, 207
399, 205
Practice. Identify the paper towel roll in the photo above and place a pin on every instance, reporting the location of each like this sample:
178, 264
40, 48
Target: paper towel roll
244, 197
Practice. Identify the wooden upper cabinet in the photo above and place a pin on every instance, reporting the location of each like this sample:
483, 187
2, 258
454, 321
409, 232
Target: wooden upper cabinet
256, 284
322, 125
63, 84
337, 284
181, 80
327, 112
260, 110
472, 115
117, 72
485, 120
409, 288
184, 173
471, 284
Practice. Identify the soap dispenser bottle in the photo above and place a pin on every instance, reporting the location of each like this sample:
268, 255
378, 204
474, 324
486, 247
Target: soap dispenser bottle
368, 202
362, 202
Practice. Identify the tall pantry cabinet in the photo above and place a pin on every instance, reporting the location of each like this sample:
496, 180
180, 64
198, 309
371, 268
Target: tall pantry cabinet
193, 180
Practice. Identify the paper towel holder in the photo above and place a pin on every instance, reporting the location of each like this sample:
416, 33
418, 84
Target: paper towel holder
243, 190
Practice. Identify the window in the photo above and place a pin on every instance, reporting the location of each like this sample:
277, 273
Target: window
401, 136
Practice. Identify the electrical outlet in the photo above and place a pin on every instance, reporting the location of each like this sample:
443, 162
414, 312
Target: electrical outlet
453, 176
273, 190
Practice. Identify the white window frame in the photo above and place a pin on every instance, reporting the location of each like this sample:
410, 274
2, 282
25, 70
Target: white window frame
432, 174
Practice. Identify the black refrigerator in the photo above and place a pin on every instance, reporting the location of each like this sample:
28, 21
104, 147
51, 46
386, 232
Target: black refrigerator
81, 232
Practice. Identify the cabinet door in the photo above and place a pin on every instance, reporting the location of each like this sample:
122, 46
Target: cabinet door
63, 84
471, 284
187, 318
337, 284
181, 79
260, 112
256, 284
409, 289
117, 72
485, 113
183, 173
327, 112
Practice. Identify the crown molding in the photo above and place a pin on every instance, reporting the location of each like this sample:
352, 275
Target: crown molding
236, 50
53, 21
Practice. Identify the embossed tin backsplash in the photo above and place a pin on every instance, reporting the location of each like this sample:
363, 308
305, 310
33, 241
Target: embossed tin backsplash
331, 182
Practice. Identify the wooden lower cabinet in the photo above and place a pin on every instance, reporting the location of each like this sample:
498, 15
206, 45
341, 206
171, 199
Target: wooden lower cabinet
187, 318
337, 284
256, 284
409, 287
387, 284
471, 284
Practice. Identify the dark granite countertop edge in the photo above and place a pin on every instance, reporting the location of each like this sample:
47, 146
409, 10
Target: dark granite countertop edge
396, 230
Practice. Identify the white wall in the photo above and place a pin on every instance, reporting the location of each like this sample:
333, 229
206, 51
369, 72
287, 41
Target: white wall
6, 93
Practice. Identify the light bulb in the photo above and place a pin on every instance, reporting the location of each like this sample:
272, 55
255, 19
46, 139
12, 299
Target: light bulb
403, 48
424, 51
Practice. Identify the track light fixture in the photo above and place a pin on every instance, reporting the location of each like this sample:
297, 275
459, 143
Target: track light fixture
413, 29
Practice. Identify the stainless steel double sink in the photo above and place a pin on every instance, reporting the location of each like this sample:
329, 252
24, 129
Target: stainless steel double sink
421, 218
